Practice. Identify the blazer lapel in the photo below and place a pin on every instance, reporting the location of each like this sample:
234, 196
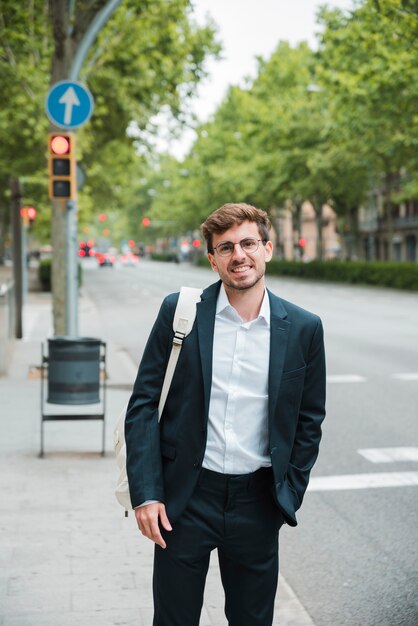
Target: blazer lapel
279, 333
205, 317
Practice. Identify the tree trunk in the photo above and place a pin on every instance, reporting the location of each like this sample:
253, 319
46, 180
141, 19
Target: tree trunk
355, 235
275, 220
391, 183
4, 230
65, 48
319, 241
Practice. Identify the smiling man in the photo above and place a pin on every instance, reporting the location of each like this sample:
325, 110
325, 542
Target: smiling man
229, 462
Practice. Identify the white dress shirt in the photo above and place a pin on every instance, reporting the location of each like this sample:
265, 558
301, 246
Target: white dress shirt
237, 438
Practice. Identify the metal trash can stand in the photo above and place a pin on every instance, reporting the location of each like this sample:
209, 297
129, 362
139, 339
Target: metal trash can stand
74, 370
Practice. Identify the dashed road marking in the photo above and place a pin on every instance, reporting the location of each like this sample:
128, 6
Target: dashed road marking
406, 376
363, 481
389, 455
346, 378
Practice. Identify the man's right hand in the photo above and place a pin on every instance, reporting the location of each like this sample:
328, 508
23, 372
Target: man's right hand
147, 519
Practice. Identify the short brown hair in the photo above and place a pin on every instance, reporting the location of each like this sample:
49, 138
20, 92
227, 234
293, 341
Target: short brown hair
231, 214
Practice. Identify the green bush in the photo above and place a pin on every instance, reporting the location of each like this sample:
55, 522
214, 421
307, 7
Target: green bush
44, 274
394, 275
169, 257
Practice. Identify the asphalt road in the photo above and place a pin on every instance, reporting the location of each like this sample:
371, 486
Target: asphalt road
352, 560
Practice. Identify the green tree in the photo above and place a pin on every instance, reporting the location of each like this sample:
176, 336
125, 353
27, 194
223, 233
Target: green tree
368, 67
149, 55
325, 126
267, 144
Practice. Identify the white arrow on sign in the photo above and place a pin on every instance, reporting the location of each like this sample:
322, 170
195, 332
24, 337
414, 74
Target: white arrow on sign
69, 98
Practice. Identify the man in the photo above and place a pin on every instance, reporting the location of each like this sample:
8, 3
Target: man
229, 462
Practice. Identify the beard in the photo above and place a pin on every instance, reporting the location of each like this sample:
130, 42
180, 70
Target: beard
226, 279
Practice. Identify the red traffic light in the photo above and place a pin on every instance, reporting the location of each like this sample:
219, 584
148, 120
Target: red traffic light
60, 144
146, 221
62, 166
31, 212
28, 214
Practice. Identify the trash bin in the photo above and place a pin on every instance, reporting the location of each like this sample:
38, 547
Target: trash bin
73, 370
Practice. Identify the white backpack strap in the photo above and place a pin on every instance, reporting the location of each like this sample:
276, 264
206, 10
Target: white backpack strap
183, 321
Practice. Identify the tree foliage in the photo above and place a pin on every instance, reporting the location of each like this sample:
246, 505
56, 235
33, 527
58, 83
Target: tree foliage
327, 126
149, 55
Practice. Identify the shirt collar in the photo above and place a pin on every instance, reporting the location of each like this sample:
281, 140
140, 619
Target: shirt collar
222, 305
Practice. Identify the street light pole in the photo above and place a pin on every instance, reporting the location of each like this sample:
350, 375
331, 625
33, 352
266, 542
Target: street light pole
18, 253
71, 308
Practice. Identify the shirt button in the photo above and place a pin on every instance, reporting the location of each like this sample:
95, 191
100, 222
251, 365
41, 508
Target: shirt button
196, 464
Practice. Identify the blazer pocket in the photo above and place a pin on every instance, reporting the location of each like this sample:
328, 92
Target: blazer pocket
300, 371
167, 450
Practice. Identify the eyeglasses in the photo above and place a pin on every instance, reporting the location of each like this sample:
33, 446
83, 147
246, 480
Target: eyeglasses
249, 245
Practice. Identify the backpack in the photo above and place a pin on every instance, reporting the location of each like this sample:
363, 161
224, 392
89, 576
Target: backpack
183, 321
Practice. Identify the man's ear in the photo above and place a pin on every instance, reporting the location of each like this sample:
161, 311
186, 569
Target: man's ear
212, 262
268, 250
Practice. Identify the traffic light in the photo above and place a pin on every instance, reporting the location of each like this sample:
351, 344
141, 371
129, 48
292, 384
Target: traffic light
31, 214
28, 214
62, 166
302, 246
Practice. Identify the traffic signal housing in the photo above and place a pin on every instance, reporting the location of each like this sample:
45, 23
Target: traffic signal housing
62, 166
302, 246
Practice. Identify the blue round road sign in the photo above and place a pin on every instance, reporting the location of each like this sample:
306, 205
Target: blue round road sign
69, 104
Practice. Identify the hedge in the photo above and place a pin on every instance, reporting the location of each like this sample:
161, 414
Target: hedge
169, 257
44, 273
393, 275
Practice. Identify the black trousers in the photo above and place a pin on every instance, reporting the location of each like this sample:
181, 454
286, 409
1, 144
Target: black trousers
236, 515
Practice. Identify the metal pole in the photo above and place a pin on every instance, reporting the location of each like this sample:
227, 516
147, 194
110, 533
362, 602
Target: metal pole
71, 323
72, 271
25, 250
85, 44
16, 189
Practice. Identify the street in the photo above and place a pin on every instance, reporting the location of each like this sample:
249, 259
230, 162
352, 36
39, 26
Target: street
352, 561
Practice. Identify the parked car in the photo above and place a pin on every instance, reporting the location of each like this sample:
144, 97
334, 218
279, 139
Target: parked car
105, 259
129, 259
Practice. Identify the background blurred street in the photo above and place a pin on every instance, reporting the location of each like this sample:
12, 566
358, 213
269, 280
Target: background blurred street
123, 125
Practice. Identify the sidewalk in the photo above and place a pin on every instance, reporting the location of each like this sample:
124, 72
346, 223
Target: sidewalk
67, 554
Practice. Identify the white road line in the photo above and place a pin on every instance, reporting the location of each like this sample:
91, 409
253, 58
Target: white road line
363, 481
406, 376
346, 378
389, 455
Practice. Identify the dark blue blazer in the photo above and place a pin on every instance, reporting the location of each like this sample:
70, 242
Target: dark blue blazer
164, 460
